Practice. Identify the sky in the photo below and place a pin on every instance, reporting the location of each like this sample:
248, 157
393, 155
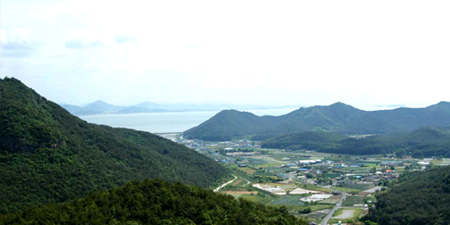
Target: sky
363, 53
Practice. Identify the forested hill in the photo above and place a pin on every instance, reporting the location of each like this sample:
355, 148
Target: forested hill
418, 198
338, 118
155, 202
47, 155
424, 142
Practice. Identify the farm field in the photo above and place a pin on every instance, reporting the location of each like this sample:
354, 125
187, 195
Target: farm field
278, 177
350, 201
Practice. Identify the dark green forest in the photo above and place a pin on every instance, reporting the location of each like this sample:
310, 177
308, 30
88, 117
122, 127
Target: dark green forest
416, 198
154, 202
424, 142
338, 118
48, 155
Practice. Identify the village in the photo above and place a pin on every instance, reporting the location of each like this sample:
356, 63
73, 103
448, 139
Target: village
326, 188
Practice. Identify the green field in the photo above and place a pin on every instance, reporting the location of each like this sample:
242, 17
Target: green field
260, 198
352, 200
360, 187
343, 189
314, 188
288, 200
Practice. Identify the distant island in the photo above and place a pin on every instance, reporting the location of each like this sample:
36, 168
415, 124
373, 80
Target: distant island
100, 107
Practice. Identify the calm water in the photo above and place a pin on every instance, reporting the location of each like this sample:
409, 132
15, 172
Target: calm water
166, 122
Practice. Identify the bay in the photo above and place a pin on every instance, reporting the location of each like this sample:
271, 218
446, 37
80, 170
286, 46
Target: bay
167, 122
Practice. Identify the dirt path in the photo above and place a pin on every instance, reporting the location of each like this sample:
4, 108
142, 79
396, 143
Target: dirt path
225, 184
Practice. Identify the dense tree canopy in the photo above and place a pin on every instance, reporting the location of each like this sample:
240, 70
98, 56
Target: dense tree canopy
425, 142
417, 198
155, 202
47, 155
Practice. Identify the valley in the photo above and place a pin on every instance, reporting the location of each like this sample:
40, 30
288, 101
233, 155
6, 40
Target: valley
52, 162
308, 183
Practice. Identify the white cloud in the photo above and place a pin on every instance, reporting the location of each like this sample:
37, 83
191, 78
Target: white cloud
83, 44
17, 42
290, 52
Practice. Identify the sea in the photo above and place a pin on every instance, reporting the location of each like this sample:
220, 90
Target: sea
168, 122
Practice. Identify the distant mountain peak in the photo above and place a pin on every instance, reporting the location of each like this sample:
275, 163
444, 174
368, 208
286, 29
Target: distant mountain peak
444, 103
341, 104
441, 105
98, 102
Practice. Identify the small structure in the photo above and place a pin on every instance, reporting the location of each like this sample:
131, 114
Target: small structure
391, 163
423, 163
316, 197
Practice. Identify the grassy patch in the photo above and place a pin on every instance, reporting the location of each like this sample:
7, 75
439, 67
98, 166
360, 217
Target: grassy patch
318, 207
270, 165
354, 218
346, 189
288, 200
329, 201
352, 200
259, 198
247, 170
360, 187
314, 188
338, 212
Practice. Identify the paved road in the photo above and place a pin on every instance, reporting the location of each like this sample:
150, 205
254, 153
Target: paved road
336, 207
225, 184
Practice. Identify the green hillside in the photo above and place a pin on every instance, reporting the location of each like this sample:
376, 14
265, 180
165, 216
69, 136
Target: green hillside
155, 202
418, 198
48, 156
304, 140
424, 142
338, 118
229, 124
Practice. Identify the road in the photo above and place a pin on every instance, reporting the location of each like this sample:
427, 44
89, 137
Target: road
336, 207
225, 184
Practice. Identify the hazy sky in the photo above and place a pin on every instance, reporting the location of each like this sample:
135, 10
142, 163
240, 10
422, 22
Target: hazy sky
363, 53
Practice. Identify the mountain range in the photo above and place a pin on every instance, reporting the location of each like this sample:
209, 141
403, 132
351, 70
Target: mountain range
338, 118
48, 155
101, 107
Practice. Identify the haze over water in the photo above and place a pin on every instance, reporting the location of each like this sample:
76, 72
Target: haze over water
168, 121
